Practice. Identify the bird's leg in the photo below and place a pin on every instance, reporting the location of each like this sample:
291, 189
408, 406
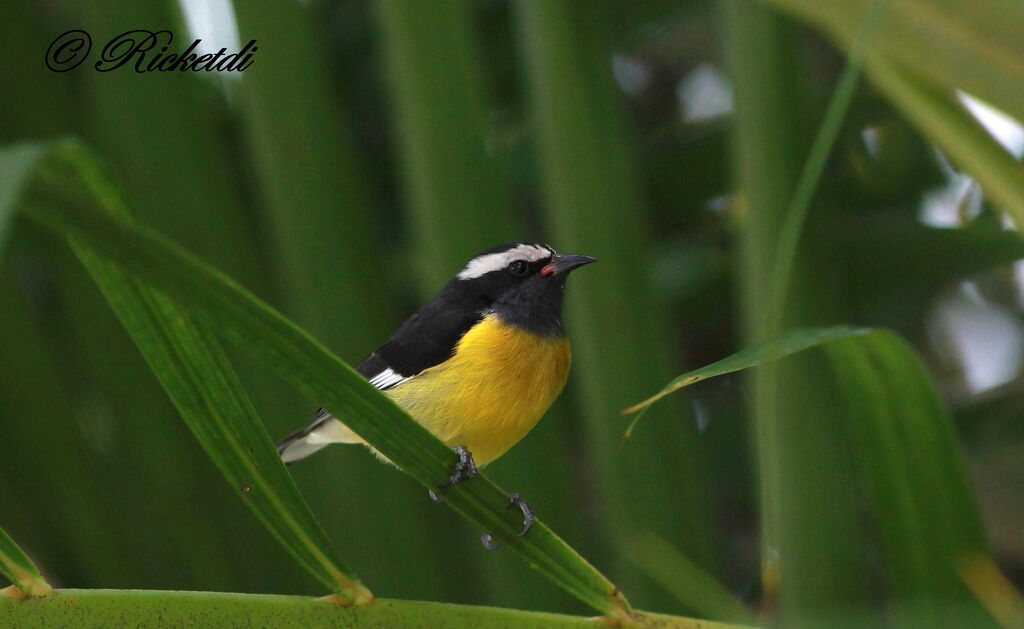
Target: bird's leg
514, 500
463, 470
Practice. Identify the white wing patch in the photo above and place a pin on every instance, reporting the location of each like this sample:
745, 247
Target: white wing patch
481, 265
387, 379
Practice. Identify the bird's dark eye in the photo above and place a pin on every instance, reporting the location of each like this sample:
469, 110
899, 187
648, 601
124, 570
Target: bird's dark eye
519, 267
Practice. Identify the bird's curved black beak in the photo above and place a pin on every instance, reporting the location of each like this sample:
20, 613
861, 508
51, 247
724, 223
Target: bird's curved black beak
562, 263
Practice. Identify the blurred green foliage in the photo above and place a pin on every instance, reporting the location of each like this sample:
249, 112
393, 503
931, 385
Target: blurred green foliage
375, 145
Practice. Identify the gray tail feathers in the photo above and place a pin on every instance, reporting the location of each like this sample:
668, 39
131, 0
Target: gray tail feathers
288, 447
324, 431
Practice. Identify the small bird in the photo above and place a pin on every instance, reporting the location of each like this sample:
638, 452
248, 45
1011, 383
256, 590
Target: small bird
477, 365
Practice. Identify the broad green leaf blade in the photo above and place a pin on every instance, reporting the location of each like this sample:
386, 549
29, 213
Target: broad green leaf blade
790, 342
304, 363
188, 361
19, 569
15, 163
945, 120
913, 477
216, 610
906, 456
196, 374
974, 46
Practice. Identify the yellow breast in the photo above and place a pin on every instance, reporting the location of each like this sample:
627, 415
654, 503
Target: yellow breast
492, 391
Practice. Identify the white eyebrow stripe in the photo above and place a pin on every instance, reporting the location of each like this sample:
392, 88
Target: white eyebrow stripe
481, 265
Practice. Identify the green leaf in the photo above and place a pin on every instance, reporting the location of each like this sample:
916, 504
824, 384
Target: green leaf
788, 343
154, 609
906, 456
994, 590
300, 360
912, 474
188, 361
19, 570
974, 46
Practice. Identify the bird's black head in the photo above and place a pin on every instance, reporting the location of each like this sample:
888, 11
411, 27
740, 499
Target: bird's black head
521, 282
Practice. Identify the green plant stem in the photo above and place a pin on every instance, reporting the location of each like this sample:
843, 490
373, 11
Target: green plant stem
154, 609
800, 204
812, 545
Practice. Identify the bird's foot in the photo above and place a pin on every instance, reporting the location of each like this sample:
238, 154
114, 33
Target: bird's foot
514, 500
463, 470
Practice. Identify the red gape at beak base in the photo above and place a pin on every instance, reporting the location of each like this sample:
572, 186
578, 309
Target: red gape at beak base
562, 263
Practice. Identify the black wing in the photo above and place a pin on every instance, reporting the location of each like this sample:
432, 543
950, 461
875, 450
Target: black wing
427, 338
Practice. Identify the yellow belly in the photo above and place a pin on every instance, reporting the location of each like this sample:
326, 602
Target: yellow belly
492, 391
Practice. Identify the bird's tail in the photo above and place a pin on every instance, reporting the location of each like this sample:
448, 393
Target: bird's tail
324, 431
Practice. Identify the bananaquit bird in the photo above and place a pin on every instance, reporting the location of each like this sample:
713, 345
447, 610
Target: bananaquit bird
477, 365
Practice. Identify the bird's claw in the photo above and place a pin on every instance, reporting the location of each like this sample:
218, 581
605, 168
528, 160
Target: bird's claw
514, 500
463, 470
